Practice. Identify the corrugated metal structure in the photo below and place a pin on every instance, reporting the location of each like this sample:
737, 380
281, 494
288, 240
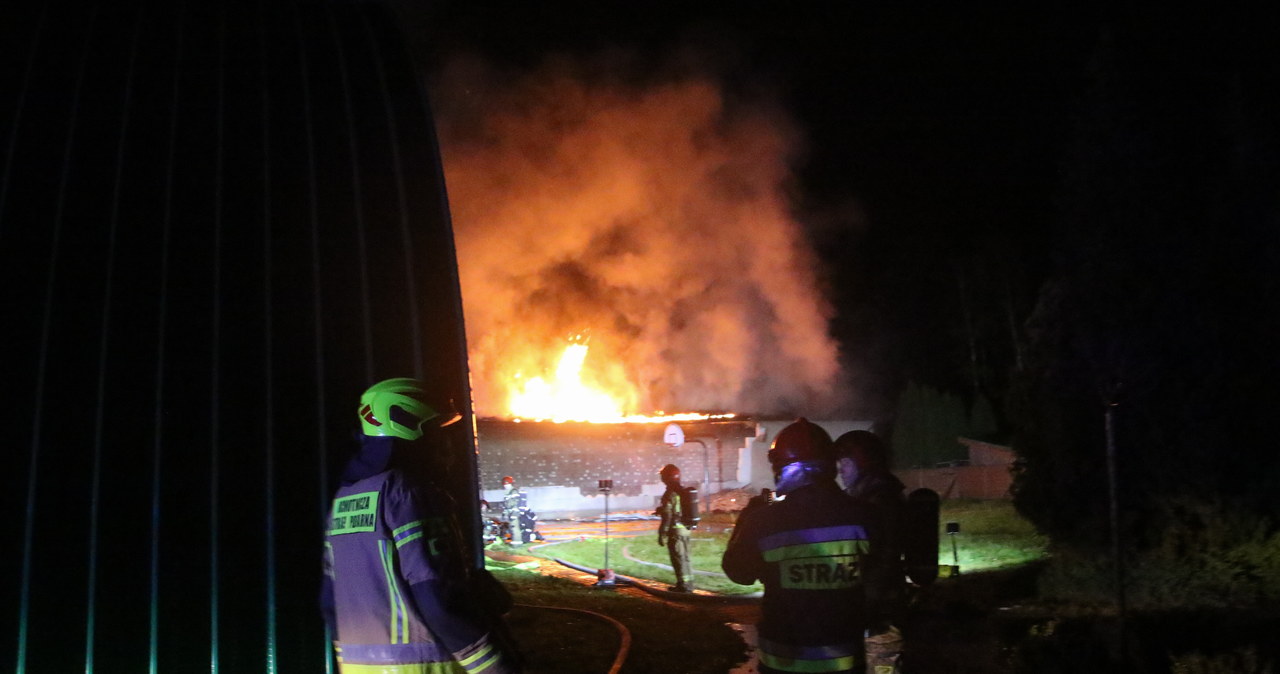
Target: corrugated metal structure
217, 227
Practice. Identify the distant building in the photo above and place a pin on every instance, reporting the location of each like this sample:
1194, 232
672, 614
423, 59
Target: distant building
986, 474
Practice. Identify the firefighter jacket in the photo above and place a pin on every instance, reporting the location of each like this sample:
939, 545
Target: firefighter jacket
879, 495
674, 510
809, 550
393, 577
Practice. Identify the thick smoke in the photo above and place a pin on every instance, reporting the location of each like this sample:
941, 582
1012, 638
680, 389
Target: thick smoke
650, 219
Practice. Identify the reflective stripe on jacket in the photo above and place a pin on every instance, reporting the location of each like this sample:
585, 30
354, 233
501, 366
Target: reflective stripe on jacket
380, 541
809, 550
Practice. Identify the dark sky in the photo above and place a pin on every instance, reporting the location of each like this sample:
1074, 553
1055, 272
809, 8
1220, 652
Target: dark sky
903, 107
926, 129
936, 133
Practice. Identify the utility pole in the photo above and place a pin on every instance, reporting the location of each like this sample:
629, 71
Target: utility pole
1114, 505
605, 578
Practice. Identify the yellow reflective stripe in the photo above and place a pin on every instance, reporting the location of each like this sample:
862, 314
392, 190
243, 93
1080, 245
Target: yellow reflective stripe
839, 664
417, 668
483, 652
399, 621
412, 537
399, 530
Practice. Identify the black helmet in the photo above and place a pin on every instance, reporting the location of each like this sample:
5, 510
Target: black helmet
669, 471
865, 448
801, 441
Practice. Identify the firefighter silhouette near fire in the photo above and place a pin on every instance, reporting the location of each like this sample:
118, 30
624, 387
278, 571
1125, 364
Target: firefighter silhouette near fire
678, 514
834, 562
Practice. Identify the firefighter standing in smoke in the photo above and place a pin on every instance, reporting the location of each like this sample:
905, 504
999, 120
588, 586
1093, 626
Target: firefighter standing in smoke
396, 593
678, 513
810, 550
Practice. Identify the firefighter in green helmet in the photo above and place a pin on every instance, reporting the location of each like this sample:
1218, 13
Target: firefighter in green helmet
397, 594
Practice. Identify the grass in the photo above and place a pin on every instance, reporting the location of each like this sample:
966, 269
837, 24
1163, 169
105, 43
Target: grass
1013, 608
637, 556
992, 536
692, 637
556, 638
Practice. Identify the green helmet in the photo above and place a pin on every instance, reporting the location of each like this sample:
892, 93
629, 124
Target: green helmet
396, 407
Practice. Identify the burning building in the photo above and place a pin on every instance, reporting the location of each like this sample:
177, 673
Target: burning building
626, 246
645, 218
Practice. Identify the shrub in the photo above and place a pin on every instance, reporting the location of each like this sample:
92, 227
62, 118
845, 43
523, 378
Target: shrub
1240, 661
1206, 555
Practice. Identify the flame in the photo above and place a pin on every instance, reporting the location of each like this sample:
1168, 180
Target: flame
566, 397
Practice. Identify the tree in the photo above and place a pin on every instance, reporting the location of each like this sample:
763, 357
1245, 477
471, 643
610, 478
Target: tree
1163, 296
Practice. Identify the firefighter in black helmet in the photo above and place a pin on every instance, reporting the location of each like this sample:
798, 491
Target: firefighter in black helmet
678, 514
810, 550
862, 460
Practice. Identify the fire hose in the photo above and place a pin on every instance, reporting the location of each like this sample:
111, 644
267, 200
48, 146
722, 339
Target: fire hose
623, 633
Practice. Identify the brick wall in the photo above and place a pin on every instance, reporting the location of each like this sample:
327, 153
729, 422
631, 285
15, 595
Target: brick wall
559, 465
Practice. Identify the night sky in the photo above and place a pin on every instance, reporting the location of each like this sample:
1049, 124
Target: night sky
937, 138
924, 131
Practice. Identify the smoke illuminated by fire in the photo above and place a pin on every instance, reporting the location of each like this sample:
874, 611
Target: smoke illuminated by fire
650, 218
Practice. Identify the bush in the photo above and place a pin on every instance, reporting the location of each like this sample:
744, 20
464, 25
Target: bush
1241, 661
1206, 555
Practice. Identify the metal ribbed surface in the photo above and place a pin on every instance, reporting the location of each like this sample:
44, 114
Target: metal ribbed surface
216, 228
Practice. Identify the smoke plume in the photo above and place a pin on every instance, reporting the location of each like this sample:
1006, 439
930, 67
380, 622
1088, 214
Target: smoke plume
647, 218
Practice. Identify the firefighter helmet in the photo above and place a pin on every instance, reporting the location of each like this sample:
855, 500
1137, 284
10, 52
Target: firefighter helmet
669, 471
507, 479
865, 448
398, 407
803, 440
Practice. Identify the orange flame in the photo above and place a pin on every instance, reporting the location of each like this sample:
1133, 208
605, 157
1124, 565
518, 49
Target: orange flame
566, 397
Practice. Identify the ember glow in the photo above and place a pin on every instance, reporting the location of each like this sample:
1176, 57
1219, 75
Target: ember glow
564, 396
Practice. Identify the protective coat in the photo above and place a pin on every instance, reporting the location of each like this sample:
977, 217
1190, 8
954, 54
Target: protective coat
810, 551
394, 588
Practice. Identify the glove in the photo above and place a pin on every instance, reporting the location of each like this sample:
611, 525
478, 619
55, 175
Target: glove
662, 540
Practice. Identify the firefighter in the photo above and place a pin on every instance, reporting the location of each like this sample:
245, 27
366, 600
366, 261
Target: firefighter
678, 517
522, 521
810, 548
397, 594
511, 497
863, 463
862, 460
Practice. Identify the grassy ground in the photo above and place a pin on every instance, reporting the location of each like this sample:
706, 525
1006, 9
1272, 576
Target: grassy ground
693, 637
992, 536
555, 637
992, 618
642, 557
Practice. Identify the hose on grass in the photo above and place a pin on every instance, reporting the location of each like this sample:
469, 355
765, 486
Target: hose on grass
624, 634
